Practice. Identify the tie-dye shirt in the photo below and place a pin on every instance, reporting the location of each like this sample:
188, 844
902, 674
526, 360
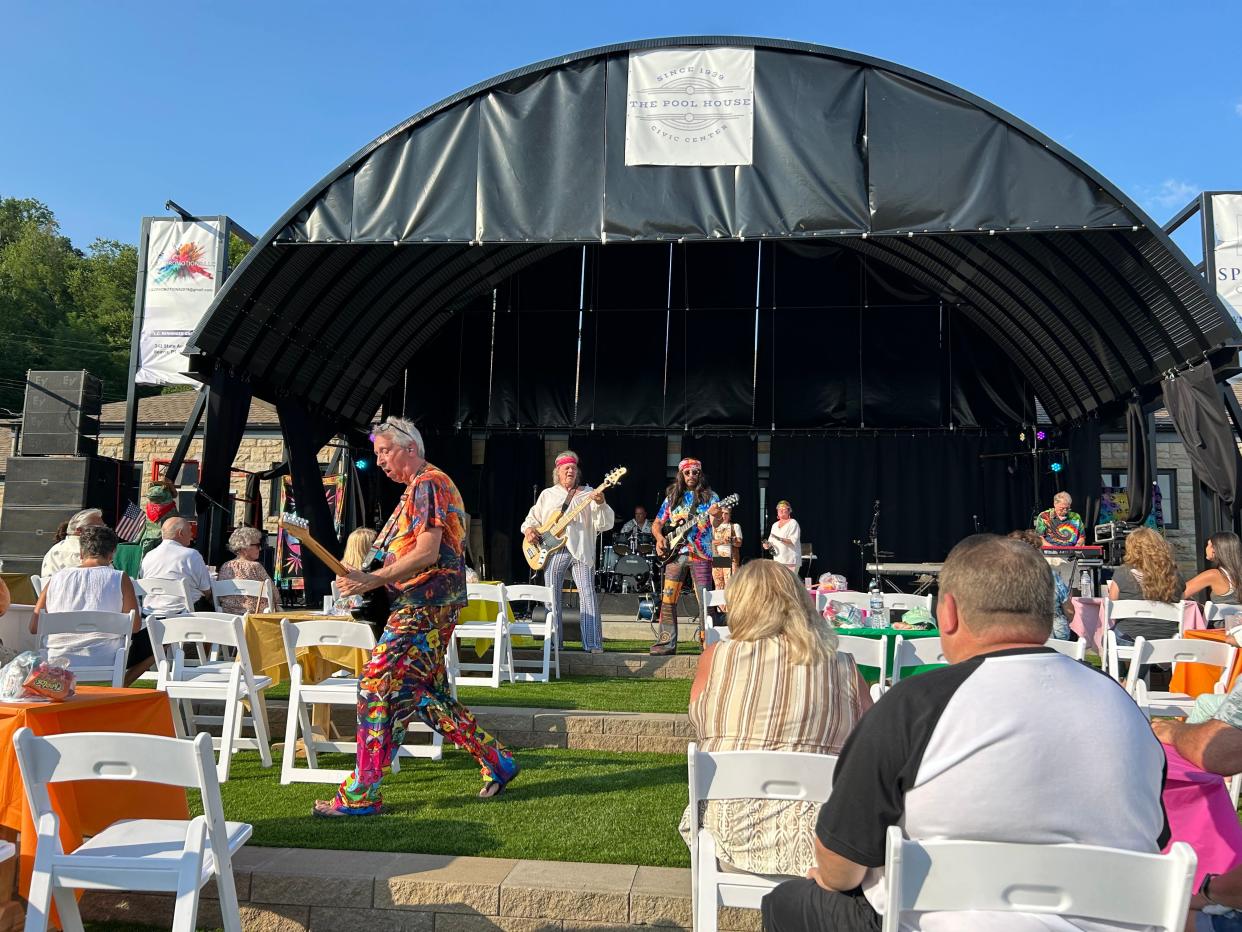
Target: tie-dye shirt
431, 501
699, 541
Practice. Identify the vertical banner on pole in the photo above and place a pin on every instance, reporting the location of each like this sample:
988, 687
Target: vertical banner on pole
1226, 257
183, 273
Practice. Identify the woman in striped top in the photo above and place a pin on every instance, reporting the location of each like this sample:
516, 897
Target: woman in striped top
778, 683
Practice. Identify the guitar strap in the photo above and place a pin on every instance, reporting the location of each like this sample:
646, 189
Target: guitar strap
389, 531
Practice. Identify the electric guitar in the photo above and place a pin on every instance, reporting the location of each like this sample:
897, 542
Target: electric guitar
681, 530
375, 605
551, 534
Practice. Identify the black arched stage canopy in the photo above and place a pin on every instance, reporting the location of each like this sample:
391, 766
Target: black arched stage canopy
899, 254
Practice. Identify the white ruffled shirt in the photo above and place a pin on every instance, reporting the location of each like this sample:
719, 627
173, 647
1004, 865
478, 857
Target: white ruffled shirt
582, 532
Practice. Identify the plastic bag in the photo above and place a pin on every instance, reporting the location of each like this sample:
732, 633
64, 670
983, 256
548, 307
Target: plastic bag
843, 614
51, 679
15, 673
832, 582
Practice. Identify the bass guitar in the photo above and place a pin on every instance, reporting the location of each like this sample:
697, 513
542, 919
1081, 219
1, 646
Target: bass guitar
373, 606
551, 534
681, 530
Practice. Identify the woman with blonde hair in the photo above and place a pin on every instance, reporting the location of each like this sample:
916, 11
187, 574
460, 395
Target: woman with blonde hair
358, 547
1148, 572
778, 683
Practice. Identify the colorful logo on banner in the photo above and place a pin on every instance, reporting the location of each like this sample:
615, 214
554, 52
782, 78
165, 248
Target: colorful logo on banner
185, 262
690, 107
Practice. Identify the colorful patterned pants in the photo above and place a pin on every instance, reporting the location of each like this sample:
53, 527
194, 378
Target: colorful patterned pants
720, 577
406, 679
674, 578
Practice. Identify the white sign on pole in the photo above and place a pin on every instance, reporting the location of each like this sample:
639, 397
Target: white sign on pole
690, 107
181, 281
1227, 253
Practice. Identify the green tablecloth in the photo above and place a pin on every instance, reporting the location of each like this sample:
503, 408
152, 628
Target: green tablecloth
128, 558
871, 674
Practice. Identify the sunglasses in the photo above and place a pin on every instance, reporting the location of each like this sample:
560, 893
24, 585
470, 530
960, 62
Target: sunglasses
387, 425
692, 472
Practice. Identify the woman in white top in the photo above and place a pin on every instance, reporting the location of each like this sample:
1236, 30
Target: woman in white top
94, 586
785, 538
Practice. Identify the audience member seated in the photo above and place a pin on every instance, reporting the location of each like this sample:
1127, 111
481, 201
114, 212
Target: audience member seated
1217, 584
990, 748
1148, 572
161, 505
1062, 604
94, 586
247, 543
175, 559
64, 553
777, 684
358, 547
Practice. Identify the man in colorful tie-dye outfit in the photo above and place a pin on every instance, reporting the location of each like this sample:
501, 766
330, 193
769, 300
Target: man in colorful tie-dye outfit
689, 498
421, 549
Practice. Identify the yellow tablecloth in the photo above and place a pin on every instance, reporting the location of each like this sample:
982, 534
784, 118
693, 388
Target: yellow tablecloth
267, 648
480, 611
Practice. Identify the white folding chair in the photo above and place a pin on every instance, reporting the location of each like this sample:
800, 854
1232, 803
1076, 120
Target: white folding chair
36, 583
1229, 616
496, 631
914, 653
715, 599
137, 854
867, 652
105, 661
228, 681
776, 775
538, 596
1133, 609
1175, 651
1083, 881
175, 590
250, 588
1075, 649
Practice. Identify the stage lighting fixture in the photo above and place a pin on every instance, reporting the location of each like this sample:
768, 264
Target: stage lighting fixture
362, 464
1056, 467
1041, 436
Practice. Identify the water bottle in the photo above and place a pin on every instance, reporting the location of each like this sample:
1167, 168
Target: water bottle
1084, 585
875, 606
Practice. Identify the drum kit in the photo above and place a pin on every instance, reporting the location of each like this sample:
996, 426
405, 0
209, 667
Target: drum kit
626, 564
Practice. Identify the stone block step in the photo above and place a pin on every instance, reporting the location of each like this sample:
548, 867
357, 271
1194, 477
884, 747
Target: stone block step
301, 890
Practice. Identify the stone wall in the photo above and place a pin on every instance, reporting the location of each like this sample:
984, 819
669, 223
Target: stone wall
1114, 457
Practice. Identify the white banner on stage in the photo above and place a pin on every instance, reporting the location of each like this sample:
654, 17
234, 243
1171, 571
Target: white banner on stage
181, 281
1227, 254
690, 107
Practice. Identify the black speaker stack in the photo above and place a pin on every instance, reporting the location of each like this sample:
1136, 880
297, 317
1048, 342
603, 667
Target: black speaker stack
58, 472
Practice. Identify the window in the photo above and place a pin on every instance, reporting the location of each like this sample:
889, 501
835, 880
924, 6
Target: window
1116, 484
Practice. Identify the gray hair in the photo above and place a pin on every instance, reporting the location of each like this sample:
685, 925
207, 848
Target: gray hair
1000, 584
1063, 497
97, 541
83, 519
244, 537
403, 432
172, 527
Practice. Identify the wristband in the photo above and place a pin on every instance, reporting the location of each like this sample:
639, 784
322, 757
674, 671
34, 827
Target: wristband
1205, 888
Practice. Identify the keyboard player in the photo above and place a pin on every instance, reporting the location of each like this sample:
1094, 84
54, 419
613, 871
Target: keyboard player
1059, 526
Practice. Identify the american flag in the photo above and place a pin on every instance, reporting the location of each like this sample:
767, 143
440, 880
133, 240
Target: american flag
130, 524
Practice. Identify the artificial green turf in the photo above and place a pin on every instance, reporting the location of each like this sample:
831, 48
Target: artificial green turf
565, 805
595, 693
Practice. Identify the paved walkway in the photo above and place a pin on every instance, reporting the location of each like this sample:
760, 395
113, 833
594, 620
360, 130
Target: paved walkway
301, 890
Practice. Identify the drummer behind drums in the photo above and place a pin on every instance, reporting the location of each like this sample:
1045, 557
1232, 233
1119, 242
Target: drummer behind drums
578, 554
635, 529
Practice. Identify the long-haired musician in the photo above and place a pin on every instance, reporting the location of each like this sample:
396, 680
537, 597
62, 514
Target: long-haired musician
578, 554
688, 498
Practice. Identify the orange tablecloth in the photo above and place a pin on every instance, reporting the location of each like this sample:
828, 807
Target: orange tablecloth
1195, 679
85, 807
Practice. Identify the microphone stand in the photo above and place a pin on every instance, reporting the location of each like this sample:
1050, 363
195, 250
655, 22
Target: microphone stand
875, 545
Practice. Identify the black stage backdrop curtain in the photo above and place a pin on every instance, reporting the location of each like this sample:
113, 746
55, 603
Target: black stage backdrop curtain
646, 466
452, 453
513, 474
933, 489
731, 464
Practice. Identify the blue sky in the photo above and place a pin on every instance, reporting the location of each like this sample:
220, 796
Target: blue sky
239, 108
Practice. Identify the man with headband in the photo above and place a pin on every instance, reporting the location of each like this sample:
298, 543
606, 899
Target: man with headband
689, 498
578, 554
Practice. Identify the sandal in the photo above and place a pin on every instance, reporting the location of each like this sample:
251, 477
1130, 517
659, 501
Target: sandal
333, 811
